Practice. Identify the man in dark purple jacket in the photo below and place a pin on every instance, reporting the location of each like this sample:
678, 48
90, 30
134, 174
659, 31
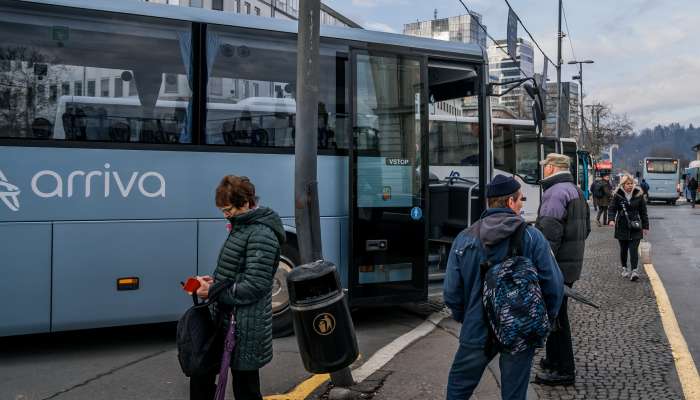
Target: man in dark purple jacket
565, 220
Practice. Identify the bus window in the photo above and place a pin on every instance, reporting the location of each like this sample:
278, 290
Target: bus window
252, 91
503, 149
453, 143
526, 161
662, 166
569, 149
94, 47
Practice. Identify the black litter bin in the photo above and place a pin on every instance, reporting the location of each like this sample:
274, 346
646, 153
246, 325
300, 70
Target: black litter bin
322, 321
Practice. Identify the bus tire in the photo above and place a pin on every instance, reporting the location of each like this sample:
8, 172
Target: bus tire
281, 312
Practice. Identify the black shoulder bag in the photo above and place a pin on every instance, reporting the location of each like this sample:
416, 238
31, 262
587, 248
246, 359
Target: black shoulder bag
199, 339
634, 225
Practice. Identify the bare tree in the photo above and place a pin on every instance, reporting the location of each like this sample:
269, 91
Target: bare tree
606, 127
22, 71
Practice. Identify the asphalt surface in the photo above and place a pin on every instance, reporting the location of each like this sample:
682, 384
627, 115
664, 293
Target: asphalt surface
676, 256
141, 362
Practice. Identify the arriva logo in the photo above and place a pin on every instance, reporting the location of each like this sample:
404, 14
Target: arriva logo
49, 183
9, 193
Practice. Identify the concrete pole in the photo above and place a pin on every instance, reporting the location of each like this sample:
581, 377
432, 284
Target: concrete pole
559, 38
306, 208
583, 122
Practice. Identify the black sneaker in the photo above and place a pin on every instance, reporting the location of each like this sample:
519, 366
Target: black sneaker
554, 378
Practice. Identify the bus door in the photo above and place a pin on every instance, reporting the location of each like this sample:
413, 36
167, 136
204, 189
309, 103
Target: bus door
388, 165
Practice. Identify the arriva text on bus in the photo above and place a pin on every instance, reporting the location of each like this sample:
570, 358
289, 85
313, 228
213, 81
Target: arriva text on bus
55, 185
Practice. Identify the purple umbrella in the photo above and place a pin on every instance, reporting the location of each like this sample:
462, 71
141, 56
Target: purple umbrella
229, 344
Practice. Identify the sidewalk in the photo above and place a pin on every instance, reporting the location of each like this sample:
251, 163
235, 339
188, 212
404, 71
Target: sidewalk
420, 371
621, 350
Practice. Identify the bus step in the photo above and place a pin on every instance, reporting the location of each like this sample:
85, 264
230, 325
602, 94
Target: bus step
436, 277
434, 290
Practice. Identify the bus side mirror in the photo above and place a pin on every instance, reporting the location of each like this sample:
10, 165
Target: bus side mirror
538, 115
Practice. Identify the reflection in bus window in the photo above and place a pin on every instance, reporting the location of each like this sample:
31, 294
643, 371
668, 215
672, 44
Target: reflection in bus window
265, 116
503, 148
526, 160
453, 142
98, 49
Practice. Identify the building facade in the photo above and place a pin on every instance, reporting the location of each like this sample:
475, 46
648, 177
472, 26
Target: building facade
503, 69
570, 110
284, 9
461, 28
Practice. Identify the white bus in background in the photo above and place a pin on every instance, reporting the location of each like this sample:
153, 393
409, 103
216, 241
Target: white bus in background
454, 152
255, 121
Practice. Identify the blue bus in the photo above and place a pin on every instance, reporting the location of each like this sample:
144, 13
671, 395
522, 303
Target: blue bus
663, 177
118, 119
693, 170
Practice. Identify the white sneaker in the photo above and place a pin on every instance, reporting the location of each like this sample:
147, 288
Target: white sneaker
625, 272
634, 275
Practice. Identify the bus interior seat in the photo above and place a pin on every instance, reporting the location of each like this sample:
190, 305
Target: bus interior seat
152, 132
41, 128
119, 132
74, 124
228, 132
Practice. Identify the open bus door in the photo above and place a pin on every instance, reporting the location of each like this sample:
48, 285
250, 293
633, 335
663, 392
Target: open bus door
388, 177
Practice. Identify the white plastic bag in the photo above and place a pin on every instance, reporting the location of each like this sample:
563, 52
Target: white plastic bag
645, 251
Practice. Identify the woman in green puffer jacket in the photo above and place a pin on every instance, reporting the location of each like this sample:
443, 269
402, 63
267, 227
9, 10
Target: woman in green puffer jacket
249, 257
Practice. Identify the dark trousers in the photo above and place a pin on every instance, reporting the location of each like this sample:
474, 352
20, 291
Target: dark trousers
693, 195
246, 386
559, 349
604, 212
630, 247
469, 365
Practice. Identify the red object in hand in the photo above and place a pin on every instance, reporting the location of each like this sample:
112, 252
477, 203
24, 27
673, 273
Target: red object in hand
191, 285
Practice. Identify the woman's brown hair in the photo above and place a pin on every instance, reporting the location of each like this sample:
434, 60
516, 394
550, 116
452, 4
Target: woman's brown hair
236, 191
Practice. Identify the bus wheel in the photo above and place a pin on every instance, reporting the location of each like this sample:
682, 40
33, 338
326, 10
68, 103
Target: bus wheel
281, 312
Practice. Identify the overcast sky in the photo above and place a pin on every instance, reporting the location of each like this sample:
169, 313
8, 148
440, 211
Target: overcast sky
646, 52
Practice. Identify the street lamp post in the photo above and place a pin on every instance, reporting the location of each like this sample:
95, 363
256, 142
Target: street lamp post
579, 77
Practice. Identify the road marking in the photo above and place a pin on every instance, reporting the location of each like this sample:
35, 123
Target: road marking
378, 360
687, 372
303, 390
386, 353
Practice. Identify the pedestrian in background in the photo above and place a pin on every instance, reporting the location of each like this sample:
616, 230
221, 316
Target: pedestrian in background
645, 189
489, 239
692, 190
565, 220
628, 214
604, 192
249, 257
592, 190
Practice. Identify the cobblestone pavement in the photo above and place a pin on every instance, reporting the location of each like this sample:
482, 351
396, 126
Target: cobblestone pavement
621, 349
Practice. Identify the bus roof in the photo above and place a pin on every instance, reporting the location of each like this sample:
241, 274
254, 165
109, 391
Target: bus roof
194, 14
660, 158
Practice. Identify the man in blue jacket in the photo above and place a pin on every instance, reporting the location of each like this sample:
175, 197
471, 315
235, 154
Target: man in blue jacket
488, 239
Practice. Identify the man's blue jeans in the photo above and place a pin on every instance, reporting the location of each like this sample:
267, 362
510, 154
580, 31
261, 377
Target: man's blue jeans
469, 365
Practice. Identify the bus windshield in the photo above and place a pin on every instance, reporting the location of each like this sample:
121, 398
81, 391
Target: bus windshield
662, 166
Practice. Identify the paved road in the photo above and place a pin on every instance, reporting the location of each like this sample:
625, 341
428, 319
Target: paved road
675, 238
140, 362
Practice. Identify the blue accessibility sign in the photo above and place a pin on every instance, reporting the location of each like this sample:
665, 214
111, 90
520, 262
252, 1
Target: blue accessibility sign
416, 213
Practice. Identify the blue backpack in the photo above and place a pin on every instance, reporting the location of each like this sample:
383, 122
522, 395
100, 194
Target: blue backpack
515, 310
